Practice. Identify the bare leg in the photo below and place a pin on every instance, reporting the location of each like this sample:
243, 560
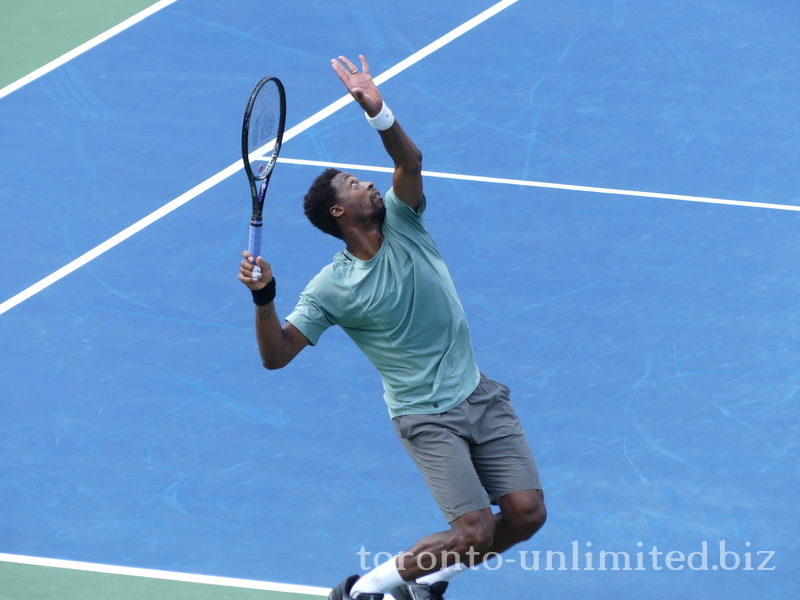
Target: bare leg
471, 532
476, 534
521, 515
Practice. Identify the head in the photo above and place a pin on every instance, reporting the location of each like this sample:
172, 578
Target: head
338, 200
318, 201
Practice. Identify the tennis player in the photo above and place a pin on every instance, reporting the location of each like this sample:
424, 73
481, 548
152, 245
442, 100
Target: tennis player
390, 291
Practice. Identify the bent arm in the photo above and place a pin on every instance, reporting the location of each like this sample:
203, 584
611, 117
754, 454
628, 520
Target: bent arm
407, 178
277, 344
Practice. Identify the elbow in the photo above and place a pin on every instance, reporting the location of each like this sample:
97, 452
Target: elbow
412, 165
273, 364
418, 159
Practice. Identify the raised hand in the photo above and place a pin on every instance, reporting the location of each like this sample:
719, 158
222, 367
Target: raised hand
359, 84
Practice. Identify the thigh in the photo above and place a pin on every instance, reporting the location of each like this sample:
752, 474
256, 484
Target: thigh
443, 456
500, 452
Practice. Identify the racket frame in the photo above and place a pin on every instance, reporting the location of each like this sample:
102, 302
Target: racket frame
258, 195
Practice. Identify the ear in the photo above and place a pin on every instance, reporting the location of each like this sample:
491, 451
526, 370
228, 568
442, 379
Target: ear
337, 210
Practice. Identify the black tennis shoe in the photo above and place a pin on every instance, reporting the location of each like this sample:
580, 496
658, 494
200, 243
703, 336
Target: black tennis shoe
420, 591
342, 591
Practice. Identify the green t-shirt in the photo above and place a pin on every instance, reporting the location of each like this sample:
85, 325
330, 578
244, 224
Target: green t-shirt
401, 309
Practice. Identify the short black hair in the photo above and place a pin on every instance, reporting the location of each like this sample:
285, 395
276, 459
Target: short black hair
318, 201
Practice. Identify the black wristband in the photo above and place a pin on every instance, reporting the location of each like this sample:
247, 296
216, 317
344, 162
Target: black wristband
265, 295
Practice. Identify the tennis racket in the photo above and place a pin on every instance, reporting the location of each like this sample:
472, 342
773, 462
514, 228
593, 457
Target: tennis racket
262, 134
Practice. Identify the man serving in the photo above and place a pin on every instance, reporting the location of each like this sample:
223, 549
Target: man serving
391, 292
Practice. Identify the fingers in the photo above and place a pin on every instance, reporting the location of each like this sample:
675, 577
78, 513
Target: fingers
265, 266
343, 73
349, 65
345, 68
359, 83
246, 271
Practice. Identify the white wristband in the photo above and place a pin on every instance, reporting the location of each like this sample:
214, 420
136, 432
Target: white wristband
383, 120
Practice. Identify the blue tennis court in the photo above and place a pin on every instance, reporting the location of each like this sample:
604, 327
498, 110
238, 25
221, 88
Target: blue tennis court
614, 186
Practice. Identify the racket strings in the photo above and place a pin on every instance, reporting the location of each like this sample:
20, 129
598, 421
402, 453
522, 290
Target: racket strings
264, 123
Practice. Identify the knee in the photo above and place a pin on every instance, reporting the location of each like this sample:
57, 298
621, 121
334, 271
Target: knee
525, 519
534, 519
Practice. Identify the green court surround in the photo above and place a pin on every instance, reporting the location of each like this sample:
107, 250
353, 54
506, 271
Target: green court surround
35, 32
26, 582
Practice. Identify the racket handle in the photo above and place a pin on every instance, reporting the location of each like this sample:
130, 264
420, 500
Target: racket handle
254, 245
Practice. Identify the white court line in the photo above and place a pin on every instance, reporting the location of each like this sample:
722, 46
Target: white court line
64, 58
542, 184
237, 166
164, 575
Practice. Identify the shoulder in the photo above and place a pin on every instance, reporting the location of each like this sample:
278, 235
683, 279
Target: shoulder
401, 219
326, 292
326, 282
397, 206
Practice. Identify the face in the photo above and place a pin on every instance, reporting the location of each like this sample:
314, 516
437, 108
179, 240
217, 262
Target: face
358, 199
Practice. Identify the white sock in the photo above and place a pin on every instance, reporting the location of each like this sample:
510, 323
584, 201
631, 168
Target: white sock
380, 580
445, 574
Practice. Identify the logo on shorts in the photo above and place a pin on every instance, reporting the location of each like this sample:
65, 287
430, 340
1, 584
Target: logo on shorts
467, 503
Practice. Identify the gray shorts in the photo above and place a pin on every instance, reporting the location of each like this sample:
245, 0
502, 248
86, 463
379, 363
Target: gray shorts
472, 454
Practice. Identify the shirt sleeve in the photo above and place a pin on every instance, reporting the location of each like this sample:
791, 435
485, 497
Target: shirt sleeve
400, 215
309, 316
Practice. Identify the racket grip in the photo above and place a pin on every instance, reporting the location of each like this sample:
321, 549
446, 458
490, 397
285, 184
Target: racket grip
254, 246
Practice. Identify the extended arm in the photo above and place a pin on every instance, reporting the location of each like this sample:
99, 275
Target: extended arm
407, 179
278, 344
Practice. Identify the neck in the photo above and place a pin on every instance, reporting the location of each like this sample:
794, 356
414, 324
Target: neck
364, 243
